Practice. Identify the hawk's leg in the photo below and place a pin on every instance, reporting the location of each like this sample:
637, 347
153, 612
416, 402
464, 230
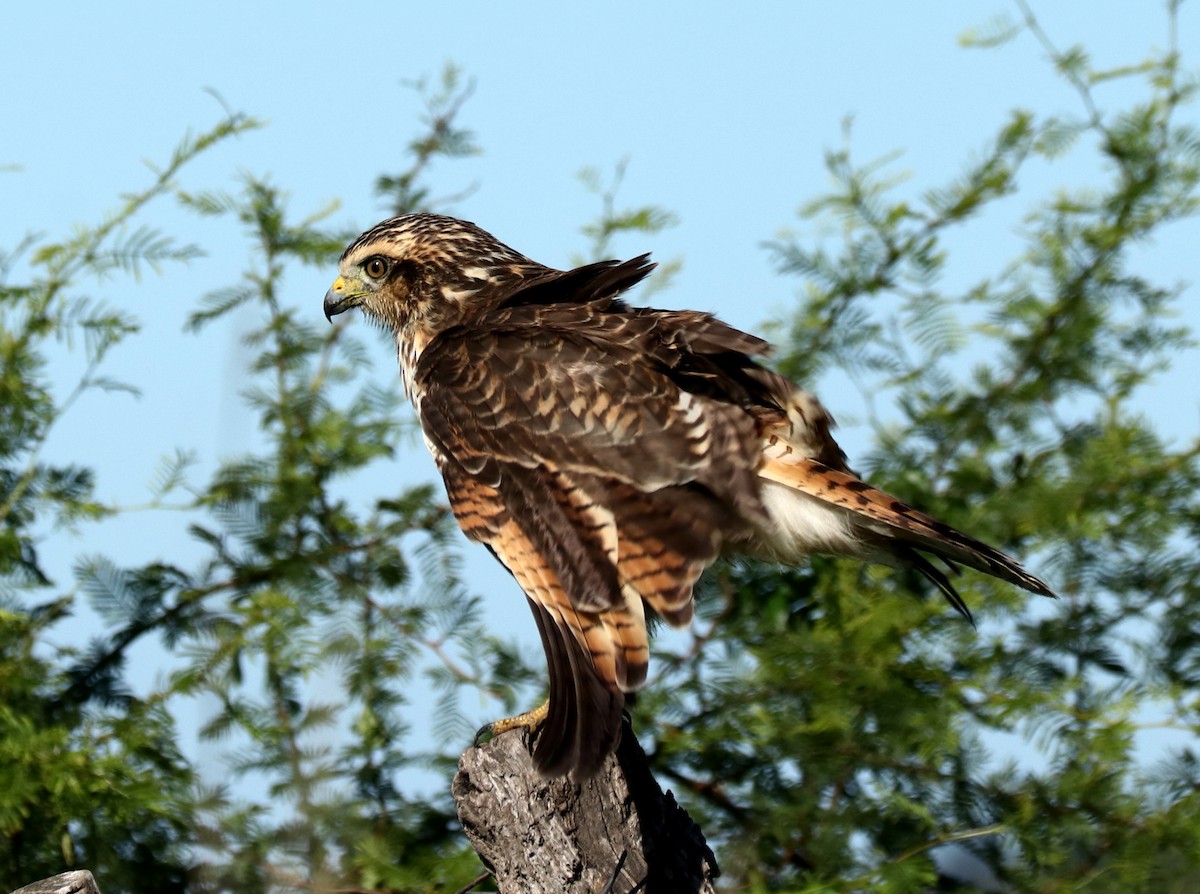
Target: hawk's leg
529, 720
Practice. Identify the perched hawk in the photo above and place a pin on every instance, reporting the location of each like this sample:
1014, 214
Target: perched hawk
607, 454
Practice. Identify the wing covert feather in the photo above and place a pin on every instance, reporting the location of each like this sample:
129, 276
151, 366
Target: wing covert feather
556, 398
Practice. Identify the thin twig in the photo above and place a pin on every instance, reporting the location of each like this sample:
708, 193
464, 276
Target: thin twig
949, 839
1056, 56
612, 880
471, 886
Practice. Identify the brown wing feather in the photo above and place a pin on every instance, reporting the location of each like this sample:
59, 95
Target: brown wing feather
585, 714
667, 539
592, 282
536, 395
586, 662
597, 481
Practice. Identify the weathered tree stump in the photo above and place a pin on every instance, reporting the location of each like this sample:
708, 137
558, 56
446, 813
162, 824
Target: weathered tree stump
615, 834
78, 882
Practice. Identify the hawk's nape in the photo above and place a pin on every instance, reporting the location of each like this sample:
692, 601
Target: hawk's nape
606, 455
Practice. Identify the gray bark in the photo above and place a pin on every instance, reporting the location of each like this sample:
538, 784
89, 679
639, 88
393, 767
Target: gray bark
78, 882
615, 834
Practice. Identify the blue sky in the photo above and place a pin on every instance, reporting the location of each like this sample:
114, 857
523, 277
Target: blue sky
723, 111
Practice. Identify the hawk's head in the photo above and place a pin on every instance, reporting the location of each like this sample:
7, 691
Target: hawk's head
422, 273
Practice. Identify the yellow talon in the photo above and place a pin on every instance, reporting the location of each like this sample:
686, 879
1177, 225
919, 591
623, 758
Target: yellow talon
530, 721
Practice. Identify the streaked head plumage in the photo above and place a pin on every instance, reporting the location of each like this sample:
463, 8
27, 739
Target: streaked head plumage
424, 267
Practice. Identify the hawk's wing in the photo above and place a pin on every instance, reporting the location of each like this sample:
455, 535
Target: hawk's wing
597, 480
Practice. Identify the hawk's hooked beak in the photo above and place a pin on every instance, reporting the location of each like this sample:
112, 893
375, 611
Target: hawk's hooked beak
343, 295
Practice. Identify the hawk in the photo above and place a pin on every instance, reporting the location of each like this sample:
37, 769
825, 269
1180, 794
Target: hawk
608, 454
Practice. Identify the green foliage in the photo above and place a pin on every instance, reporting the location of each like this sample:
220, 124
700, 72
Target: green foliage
837, 736
103, 790
643, 221
442, 137
302, 591
51, 308
100, 785
829, 731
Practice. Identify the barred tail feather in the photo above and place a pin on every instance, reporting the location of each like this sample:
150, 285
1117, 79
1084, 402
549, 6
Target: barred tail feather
879, 520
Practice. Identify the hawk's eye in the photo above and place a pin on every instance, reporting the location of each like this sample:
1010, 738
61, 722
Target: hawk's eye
376, 268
